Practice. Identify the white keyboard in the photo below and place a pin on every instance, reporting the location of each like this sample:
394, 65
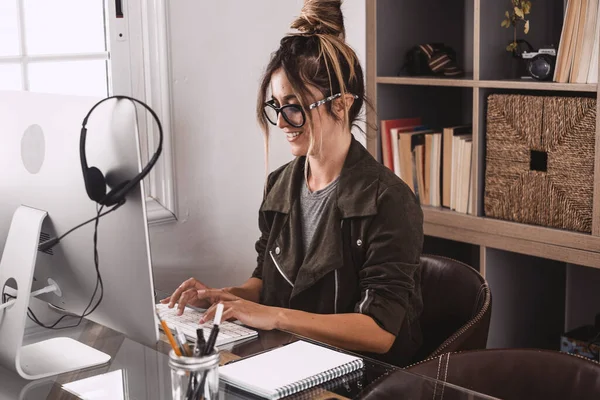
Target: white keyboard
188, 323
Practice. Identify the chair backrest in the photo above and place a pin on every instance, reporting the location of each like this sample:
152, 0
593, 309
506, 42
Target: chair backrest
457, 305
517, 373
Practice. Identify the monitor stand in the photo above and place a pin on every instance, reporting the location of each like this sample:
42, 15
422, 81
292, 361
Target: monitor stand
45, 358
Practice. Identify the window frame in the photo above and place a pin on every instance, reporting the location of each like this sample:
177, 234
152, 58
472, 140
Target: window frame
139, 67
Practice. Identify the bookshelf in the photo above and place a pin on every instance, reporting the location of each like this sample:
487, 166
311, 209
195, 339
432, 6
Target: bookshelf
533, 270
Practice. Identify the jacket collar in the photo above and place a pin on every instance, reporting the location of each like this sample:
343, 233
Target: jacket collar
357, 188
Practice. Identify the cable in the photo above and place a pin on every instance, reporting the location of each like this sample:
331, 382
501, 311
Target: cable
99, 282
48, 244
47, 289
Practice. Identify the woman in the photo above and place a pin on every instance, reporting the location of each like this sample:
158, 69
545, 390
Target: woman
341, 235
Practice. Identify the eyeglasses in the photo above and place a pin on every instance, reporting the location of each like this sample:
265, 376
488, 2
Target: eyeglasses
293, 113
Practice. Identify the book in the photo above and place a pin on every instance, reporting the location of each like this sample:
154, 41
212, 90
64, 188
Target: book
460, 163
435, 170
447, 160
592, 76
566, 47
289, 369
589, 30
405, 152
427, 169
578, 40
395, 135
462, 205
417, 147
386, 140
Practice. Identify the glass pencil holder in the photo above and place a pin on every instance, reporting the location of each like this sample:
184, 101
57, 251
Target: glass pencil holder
194, 378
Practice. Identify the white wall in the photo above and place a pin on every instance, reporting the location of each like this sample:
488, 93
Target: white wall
219, 50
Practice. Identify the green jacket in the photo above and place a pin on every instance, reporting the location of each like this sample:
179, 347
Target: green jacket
364, 259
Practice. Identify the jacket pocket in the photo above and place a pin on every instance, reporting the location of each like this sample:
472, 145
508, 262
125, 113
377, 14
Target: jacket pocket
279, 269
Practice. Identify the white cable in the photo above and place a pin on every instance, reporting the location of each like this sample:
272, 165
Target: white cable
48, 289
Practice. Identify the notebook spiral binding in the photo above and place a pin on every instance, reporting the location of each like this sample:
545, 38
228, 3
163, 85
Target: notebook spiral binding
320, 378
348, 382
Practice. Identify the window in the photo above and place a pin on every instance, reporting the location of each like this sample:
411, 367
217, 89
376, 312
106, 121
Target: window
44, 49
85, 48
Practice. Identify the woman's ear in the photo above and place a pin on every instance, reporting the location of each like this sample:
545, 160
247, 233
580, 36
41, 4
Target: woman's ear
339, 104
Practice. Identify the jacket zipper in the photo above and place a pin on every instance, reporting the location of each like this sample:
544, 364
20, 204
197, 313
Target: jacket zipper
279, 269
360, 308
336, 293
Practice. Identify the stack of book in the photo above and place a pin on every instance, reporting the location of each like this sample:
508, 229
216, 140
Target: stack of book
577, 57
435, 163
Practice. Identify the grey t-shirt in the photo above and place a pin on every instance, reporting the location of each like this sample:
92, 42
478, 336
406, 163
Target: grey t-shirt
312, 207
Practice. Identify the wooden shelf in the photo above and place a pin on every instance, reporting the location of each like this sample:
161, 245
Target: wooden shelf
579, 248
468, 81
557, 237
527, 84
427, 81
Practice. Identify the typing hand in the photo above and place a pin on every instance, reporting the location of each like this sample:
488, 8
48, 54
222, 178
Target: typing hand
185, 294
247, 312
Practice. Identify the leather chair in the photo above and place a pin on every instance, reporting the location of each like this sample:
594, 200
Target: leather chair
457, 305
502, 373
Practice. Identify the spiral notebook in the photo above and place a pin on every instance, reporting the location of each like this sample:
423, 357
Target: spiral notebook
288, 369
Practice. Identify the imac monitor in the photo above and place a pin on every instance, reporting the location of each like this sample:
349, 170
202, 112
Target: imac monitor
40, 168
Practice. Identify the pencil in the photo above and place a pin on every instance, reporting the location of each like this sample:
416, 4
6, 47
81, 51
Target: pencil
169, 336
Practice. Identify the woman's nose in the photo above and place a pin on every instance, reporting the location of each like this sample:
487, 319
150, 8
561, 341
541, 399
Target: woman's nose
281, 122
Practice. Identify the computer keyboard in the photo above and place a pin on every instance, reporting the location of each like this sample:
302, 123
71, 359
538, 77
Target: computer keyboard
188, 323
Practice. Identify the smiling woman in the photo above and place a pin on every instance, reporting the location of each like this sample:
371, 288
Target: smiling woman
340, 234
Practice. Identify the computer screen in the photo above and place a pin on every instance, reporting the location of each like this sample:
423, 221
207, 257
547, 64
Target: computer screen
40, 168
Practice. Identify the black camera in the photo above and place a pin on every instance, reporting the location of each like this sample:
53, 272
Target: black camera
540, 64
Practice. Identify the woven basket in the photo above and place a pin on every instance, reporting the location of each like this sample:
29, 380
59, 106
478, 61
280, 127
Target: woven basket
540, 160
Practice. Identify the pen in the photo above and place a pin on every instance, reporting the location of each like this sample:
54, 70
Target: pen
210, 344
200, 343
198, 350
169, 336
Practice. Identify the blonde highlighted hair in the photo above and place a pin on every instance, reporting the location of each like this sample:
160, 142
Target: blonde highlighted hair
317, 55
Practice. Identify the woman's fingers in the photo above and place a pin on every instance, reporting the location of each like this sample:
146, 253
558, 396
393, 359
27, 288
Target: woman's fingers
189, 284
215, 295
165, 300
210, 312
186, 297
228, 314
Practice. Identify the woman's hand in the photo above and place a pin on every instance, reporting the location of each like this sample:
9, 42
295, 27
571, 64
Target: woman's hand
247, 312
185, 294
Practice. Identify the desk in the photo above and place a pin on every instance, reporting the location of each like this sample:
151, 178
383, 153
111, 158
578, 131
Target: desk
146, 375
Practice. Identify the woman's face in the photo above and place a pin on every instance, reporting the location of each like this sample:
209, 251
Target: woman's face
299, 138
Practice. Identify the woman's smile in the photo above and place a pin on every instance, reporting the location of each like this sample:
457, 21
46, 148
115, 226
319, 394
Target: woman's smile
292, 136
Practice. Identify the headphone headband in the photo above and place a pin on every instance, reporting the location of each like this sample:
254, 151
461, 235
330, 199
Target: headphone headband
95, 183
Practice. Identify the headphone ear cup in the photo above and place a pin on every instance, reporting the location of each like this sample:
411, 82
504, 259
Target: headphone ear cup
95, 184
116, 194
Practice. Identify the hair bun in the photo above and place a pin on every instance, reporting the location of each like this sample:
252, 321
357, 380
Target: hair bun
321, 17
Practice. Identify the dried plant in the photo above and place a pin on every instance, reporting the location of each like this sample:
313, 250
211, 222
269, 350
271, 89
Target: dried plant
520, 9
